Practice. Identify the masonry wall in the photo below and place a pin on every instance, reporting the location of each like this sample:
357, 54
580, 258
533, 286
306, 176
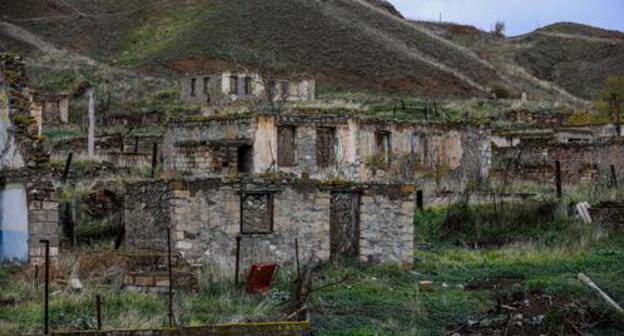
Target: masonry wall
205, 218
25, 160
201, 147
147, 215
579, 162
387, 224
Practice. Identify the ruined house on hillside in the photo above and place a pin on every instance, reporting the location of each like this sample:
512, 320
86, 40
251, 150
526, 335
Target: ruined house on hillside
231, 86
585, 153
51, 110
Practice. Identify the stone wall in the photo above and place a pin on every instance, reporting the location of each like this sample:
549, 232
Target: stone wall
120, 150
416, 151
579, 162
220, 88
147, 214
205, 218
202, 147
387, 224
29, 161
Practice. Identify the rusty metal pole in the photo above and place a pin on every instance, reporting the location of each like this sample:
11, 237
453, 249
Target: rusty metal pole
98, 311
297, 259
170, 278
237, 266
46, 298
558, 178
154, 158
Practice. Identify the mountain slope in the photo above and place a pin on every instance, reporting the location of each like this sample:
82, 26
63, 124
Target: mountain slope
344, 42
563, 59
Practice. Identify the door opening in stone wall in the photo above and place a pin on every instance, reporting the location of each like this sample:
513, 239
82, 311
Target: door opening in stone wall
245, 159
325, 146
13, 223
286, 146
344, 225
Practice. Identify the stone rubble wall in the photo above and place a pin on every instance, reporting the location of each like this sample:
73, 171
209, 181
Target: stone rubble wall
387, 224
36, 174
147, 215
204, 216
456, 152
579, 162
193, 147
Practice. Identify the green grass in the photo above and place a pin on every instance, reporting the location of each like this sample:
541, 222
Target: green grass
374, 299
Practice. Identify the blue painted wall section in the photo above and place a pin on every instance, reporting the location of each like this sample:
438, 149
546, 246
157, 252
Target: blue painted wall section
13, 224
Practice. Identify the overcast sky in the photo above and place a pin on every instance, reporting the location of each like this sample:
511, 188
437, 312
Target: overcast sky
520, 16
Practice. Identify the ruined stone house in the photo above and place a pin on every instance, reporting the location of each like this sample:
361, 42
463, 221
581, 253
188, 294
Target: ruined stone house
372, 222
231, 86
51, 110
324, 146
341, 185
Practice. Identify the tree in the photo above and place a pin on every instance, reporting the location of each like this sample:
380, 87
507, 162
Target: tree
275, 88
612, 85
499, 28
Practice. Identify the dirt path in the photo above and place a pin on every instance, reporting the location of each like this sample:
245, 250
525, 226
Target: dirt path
583, 37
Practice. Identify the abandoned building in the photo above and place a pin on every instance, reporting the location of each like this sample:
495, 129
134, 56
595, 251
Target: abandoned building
327, 147
225, 87
205, 215
28, 197
121, 150
503, 138
49, 109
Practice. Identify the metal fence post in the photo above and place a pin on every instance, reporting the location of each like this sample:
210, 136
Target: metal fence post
237, 266
98, 311
46, 316
558, 178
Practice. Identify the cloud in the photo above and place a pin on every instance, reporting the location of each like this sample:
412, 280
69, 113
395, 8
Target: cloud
521, 16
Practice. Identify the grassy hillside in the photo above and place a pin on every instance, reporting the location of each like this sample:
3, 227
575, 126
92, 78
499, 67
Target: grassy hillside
341, 41
347, 44
573, 56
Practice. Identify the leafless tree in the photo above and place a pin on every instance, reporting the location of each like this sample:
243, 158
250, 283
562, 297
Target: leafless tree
499, 28
275, 88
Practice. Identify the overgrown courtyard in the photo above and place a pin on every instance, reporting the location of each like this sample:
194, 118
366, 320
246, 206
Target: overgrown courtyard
522, 286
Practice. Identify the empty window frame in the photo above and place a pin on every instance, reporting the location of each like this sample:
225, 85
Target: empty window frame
286, 146
248, 86
383, 145
325, 146
193, 86
206, 85
234, 85
256, 210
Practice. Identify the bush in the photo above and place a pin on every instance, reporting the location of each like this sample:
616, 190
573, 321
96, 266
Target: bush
501, 91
